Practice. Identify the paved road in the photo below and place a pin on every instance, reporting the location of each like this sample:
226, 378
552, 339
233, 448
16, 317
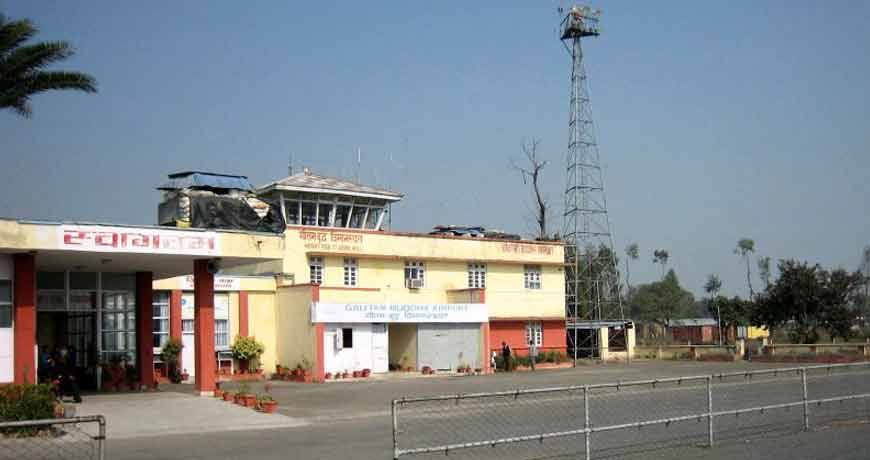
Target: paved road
352, 420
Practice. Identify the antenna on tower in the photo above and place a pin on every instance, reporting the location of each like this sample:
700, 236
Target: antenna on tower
593, 307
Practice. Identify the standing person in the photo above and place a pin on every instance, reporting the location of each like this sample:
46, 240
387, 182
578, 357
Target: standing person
43, 372
533, 352
67, 382
506, 356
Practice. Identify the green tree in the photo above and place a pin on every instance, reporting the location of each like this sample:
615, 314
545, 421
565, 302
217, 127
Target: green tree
745, 247
632, 252
661, 301
807, 297
712, 287
764, 270
22, 67
661, 256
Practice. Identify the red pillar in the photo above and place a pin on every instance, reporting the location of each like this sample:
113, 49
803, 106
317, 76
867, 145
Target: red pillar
175, 320
243, 313
203, 327
144, 326
24, 317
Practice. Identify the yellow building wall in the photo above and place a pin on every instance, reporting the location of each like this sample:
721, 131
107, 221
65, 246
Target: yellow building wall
507, 296
403, 344
295, 335
262, 325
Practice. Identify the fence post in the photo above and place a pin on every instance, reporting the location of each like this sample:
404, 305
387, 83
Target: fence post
395, 430
710, 410
101, 442
586, 427
806, 405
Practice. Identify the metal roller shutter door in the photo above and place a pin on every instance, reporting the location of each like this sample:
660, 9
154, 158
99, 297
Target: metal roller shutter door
446, 346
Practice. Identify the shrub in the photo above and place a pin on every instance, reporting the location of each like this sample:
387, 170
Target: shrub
247, 349
26, 402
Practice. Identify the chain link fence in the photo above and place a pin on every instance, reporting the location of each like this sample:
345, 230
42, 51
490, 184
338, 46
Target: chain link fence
642, 419
76, 438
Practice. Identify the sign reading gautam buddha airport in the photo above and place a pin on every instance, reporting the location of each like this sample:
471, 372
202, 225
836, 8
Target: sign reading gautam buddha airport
399, 313
103, 238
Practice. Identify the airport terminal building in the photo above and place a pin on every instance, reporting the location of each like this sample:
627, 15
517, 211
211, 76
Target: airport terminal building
305, 264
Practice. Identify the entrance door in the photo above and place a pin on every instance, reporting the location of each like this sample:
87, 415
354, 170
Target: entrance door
380, 348
188, 352
447, 346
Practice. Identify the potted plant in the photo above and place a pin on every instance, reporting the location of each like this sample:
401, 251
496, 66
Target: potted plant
345, 374
242, 394
247, 351
184, 375
266, 403
327, 376
218, 393
229, 396
366, 373
169, 354
356, 374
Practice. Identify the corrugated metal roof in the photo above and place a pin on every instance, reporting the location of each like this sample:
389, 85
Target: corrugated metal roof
314, 182
199, 179
693, 322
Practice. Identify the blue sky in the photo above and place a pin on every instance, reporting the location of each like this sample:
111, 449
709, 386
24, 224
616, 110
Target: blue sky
716, 121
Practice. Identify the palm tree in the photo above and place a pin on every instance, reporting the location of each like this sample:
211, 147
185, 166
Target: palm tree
22, 67
661, 256
632, 253
746, 246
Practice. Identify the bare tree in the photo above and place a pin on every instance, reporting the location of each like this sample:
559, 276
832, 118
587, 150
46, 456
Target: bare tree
531, 172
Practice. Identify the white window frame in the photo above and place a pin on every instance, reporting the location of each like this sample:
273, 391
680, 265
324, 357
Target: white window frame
157, 300
476, 275
415, 270
535, 329
351, 272
532, 277
222, 345
315, 270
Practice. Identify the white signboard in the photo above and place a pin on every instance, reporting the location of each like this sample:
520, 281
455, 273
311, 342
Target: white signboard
399, 313
221, 306
221, 283
99, 238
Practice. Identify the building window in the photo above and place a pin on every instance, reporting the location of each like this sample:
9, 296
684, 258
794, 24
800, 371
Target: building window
350, 271
187, 326
221, 333
477, 276
532, 277
347, 337
221, 321
315, 270
291, 209
415, 274
5, 303
160, 318
534, 333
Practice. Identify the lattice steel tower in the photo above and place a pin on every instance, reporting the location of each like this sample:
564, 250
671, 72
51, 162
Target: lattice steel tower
592, 299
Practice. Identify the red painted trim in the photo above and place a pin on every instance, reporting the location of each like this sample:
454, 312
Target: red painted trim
526, 318
243, 313
348, 288
484, 332
482, 297
144, 326
315, 293
301, 285
175, 314
203, 293
24, 317
321, 364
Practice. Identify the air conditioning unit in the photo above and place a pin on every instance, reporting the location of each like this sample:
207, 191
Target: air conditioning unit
414, 283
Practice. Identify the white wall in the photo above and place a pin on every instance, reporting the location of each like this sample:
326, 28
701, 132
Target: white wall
362, 355
7, 374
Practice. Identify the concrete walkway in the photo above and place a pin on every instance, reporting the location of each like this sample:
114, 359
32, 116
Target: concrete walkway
135, 415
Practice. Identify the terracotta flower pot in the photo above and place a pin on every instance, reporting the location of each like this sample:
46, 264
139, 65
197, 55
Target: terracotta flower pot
345, 375
269, 406
218, 393
366, 373
250, 401
327, 376
356, 374
228, 396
